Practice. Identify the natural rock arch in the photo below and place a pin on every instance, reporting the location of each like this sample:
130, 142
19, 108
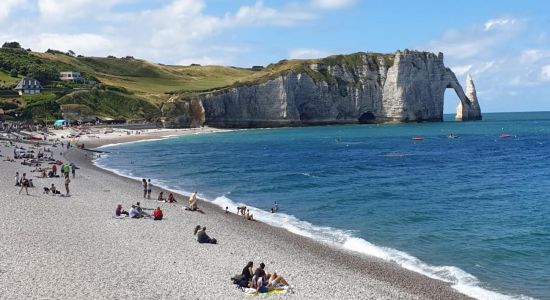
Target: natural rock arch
468, 108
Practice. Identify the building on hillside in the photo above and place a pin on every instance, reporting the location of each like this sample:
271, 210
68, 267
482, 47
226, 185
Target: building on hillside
29, 86
70, 76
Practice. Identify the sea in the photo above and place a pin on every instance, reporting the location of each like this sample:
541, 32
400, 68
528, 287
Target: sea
471, 209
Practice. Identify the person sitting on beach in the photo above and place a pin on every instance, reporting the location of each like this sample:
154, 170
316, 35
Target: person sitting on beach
119, 211
202, 237
248, 215
171, 198
161, 196
54, 190
193, 204
247, 271
141, 212
157, 214
134, 213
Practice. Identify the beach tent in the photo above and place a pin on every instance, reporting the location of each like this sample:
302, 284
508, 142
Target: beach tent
60, 123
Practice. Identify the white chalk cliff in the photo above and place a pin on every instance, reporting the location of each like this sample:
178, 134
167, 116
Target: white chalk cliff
407, 86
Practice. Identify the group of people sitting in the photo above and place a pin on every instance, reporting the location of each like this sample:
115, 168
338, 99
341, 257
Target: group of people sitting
170, 199
242, 210
136, 212
259, 281
52, 189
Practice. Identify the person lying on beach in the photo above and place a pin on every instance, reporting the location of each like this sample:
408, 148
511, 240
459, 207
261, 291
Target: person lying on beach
157, 214
161, 196
202, 237
119, 211
171, 198
248, 216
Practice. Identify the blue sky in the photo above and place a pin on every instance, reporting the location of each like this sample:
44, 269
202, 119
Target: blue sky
504, 44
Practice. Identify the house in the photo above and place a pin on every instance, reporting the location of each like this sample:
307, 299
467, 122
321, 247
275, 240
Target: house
28, 85
70, 76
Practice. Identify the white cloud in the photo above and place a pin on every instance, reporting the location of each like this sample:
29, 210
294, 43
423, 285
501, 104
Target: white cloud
534, 55
6, 7
302, 53
545, 73
332, 4
499, 23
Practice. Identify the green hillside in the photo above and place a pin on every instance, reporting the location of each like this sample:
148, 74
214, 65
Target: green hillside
130, 88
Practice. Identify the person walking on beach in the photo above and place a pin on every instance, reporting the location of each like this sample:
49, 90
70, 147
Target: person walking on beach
17, 179
67, 181
54, 170
149, 188
144, 183
24, 184
73, 169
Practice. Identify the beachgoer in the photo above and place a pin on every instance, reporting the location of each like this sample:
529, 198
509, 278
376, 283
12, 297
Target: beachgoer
140, 211
17, 179
171, 198
66, 169
275, 280
119, 211
24, 184
227, 209
73, 169
54, 170
144, 183
258, 282
247, 271
157, 214
248, 215
134, 213
193, 202
241, 210
202, 237
275, 207
149, 188
161, 196
67, 181
54, 190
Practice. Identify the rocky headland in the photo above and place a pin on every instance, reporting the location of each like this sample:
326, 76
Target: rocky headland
406, 86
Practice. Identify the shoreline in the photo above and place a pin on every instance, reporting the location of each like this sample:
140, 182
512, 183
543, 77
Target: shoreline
204, 203
312, 268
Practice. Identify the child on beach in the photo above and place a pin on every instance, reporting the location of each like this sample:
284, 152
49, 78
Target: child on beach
17, 180
248, 215
161, 196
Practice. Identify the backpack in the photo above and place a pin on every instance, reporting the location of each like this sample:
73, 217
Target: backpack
239, 280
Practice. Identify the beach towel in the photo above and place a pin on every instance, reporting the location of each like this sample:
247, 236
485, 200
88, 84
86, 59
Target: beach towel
252, 292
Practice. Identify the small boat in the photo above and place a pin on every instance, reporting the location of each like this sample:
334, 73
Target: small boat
504, 135
452, 136
417, 138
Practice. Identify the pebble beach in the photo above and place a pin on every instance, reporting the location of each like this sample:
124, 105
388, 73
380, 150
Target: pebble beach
73, 248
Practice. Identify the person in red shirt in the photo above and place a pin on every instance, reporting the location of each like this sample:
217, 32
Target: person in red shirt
157, 214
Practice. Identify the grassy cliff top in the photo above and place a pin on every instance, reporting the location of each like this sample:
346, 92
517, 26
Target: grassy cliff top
135, 80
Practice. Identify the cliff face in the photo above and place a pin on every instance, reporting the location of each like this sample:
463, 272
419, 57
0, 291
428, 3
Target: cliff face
405, 87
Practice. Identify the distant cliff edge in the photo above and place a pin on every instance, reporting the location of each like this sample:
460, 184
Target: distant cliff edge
407, 86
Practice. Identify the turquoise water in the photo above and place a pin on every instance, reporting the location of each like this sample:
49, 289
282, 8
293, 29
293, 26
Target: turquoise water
473, 210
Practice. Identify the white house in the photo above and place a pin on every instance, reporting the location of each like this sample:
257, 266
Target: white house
70, 75
28, 85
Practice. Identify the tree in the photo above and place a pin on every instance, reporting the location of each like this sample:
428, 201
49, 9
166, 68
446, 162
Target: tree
71, 53
12, 45
13, 73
